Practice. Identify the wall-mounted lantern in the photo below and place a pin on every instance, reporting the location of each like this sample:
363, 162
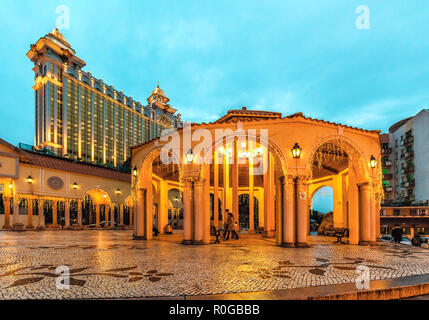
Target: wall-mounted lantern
296, 151
373, 162
135, 172
75, 185
118, 191
29, 179
190, 156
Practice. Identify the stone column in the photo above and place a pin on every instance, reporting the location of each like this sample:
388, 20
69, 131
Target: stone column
288, 214
54, 214
121, 214
41, 213
235, 180
302, 212
131, 215
365, 221
268, 196
140, 205
79, 211
198, 211
187, 211
97, 216
67, 213
107, 216
353, 208
15, 210
216, 191
251, 193
30, 214
374, 209
6, 213
226, 202
148, 213
206, 204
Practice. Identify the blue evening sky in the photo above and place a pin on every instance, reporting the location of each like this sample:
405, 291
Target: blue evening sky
211, 56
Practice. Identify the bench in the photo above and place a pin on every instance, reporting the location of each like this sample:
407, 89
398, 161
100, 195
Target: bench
340, 233
216, 233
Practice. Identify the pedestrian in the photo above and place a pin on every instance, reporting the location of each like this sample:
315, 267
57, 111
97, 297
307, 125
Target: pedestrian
230, 226
416, 241
397, 234
235, 230
226, 231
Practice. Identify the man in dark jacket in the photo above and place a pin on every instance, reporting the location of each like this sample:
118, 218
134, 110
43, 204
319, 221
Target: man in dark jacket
397, 234
226, 231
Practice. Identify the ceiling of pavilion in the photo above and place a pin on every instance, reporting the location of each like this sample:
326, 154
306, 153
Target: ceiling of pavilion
328, 160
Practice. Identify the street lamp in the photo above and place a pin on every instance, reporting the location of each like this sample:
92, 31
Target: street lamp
296, 151
190, 156
373, 162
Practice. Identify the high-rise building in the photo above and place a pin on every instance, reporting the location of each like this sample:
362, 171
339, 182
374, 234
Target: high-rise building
405, 161
80, 117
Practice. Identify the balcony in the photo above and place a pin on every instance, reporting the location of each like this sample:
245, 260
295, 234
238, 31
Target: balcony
410, 198
407, 184
386, 151
387, 163
409, 155
388, 176
388, 188
409, 140
409, 169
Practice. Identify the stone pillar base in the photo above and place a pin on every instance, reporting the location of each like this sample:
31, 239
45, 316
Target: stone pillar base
302, 245
122, 227
29, 227
8, 227
268, 234
367, 243
187, 242
139, 237
76, 227
251, 231
198, 242
18, 227
287, 245
40, 227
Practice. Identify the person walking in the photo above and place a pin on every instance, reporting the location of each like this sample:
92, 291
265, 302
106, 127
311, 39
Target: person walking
235, 230
397, 234
230, 226
226, 230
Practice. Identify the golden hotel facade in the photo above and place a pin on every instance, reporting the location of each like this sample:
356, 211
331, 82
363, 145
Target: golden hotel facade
78, 172
82, 118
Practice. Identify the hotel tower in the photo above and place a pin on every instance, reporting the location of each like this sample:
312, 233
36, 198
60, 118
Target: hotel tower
80, 117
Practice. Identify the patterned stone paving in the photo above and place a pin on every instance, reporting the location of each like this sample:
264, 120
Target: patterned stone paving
108, 264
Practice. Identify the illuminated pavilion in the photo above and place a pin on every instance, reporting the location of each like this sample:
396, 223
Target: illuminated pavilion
275, 163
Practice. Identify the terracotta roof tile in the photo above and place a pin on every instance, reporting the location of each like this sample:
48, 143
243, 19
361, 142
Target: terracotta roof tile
53, 162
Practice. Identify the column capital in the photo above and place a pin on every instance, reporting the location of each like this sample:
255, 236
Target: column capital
301, 179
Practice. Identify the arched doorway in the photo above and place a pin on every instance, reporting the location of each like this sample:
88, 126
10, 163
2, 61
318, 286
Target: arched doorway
243, 208
96, 209
338, 163
175, 211
321, 211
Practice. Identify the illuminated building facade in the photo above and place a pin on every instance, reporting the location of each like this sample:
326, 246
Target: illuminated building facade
82, 118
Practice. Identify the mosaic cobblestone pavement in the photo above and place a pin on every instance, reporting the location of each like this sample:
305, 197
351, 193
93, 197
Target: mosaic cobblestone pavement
108, 264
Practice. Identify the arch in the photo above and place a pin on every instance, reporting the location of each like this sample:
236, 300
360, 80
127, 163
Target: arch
148, 158
98, 195
271, 143
354, 152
